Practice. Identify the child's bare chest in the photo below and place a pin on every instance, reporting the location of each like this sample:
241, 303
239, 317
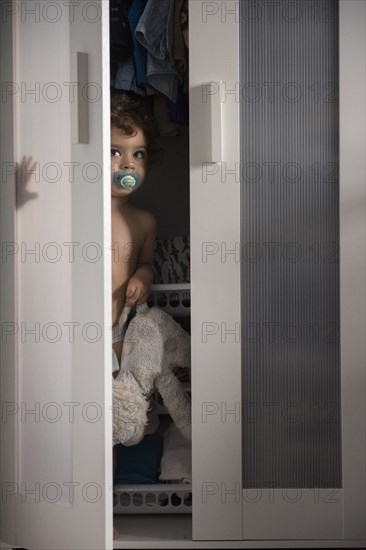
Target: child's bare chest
127, 240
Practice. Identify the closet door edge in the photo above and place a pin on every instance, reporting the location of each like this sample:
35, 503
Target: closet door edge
352, 56
215, 271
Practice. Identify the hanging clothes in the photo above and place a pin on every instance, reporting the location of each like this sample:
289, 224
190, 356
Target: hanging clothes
126, 78
139, 52
161, 115
121, 47
176, 45
178, 112
153, 31
184, 22
155, 56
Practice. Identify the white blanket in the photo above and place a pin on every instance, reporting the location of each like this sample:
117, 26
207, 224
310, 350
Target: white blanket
176, 461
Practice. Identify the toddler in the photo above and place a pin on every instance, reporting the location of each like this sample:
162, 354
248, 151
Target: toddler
133, 132
133, 229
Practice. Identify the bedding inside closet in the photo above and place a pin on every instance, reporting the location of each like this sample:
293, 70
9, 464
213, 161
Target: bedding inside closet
152, 489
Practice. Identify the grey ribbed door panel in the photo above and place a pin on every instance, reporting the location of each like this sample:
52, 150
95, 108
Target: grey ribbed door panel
289, 244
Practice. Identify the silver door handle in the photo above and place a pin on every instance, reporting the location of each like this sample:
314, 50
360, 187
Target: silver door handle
80, 111
215, 133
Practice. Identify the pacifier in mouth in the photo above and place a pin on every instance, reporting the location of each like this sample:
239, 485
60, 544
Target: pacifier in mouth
126, 180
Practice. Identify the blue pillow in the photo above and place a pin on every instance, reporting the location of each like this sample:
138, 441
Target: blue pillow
140, 463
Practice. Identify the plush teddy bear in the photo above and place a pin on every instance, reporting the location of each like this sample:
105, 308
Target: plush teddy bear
154, 344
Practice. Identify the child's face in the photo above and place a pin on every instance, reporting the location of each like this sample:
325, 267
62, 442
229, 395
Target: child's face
128, 153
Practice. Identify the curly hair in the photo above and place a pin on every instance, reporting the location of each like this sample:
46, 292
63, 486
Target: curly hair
130, 112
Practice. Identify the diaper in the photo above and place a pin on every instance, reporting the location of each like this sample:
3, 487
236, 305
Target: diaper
116, 337
115, 364
118, 333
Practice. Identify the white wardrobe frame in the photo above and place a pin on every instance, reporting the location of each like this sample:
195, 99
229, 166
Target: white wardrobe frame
216, 369
223, 509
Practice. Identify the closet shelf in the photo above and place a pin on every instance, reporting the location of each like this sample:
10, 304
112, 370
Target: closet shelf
157, 498
170, 287
172, 298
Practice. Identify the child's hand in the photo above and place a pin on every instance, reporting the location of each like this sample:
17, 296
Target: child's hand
24, 169
137, 291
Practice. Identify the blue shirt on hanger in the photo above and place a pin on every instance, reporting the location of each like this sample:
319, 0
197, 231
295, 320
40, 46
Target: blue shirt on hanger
139, 52
152, 32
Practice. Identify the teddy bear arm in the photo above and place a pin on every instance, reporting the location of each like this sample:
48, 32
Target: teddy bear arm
176, 401
129, 411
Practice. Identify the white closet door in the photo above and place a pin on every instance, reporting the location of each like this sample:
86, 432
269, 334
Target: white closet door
215, 271
279, 420
56, 315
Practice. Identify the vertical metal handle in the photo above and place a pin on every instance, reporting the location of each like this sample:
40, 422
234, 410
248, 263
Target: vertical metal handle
215, 107
80, 111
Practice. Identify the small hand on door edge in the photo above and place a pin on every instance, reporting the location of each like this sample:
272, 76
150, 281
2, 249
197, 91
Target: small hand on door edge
23, 172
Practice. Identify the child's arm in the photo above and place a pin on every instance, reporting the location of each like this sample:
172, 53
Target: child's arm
139, 284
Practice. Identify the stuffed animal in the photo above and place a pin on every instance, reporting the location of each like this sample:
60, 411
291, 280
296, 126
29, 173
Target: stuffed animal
154, 344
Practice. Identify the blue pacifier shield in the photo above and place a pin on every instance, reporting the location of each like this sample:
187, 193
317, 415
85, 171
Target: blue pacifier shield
126, 180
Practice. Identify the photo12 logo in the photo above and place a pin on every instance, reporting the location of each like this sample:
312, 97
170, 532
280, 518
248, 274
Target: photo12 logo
31, 11
268, 11
51, 92
51, 492
233, 492
271, 92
